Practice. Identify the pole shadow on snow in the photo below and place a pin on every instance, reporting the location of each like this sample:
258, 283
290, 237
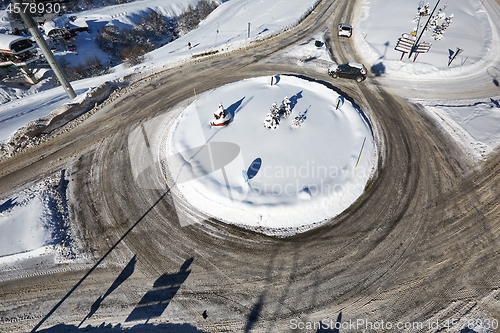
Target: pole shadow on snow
254, 314
287, 276
334, 329
386, 44
265, 30
124, 275
155, 301
254, 168
51, 312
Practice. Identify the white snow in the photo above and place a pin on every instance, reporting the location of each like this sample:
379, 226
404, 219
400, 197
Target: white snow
303, 176
21, 229
473, 123
28, 225
381, 29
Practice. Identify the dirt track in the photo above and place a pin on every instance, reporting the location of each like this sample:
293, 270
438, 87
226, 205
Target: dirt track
421, 244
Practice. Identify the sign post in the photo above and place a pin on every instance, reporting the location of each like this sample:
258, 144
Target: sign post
340, 102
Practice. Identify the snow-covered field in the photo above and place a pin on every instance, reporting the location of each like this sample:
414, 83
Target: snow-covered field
226, 29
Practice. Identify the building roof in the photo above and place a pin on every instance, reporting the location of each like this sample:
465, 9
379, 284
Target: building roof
6, 42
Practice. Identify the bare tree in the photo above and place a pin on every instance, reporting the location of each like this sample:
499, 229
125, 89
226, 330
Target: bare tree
205, 7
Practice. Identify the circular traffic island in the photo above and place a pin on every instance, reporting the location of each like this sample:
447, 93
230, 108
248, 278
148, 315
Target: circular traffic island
293, 154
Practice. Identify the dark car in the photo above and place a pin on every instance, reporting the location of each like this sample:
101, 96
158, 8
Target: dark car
350, 70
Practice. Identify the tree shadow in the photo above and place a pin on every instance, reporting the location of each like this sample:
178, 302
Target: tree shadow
155, 301
297, 121
495, 74
47, 316
378, 69
140, 328
467, 330
9, 204
294, 99
254, 168
233, 108
450, 54
124, 275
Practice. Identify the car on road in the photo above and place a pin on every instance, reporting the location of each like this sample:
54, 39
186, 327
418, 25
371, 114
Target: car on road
350, 70
345, 29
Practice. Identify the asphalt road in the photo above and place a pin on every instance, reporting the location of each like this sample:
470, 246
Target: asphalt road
421, 243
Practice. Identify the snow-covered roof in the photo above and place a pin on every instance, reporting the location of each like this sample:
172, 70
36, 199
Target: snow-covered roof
56, 24
63, 22
49, 26
7, 42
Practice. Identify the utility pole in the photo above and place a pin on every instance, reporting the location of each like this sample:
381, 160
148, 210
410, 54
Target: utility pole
35, 32
415, 45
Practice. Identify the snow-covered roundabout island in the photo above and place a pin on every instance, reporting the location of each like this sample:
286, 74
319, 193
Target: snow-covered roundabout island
280, 180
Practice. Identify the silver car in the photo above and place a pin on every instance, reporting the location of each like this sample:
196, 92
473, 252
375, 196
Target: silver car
345, 29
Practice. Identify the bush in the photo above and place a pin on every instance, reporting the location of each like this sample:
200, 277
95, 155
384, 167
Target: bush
190, 19
109, 39
205, 7
133, 55
93, 67
155, 24
130, 45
